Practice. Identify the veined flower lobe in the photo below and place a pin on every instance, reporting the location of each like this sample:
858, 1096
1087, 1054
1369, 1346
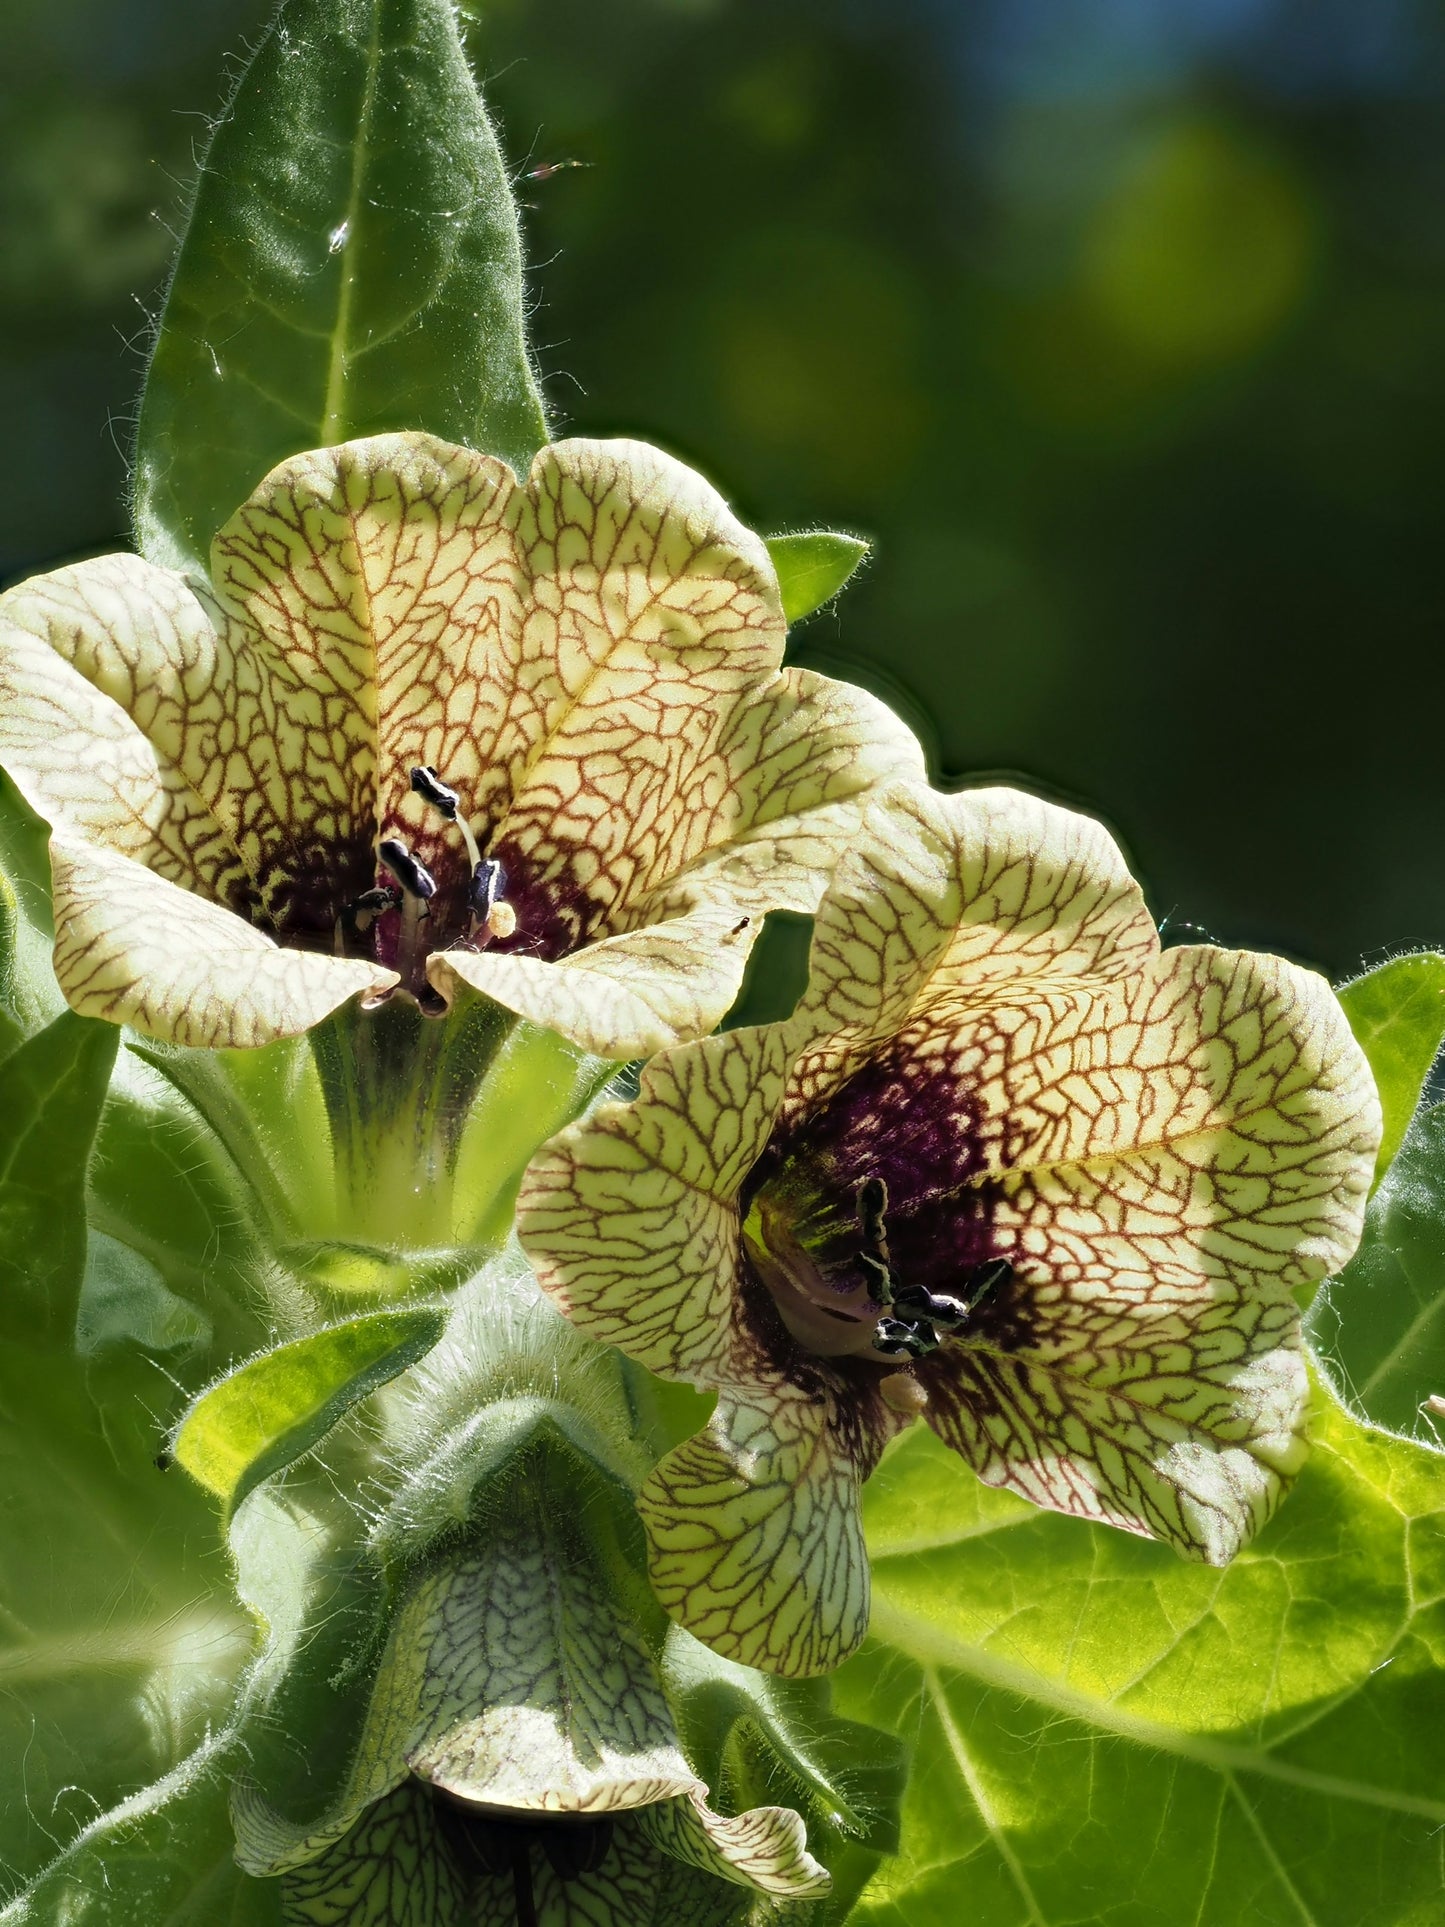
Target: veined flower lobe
1009, 1167
425, 723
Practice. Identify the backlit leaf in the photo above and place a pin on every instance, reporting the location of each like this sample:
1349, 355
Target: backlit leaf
1379, 1326
274, 1408
813, 568
1105, 1734
1398, 1014
351, 266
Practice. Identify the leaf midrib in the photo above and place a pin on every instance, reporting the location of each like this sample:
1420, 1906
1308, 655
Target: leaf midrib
925, 1643
336, 368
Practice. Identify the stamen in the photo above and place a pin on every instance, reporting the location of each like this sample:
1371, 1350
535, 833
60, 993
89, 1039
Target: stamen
413, 876
431, 789
489, 884
896, 1337
357, 918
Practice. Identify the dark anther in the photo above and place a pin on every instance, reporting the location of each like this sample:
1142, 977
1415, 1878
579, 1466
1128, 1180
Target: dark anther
414, 877
358, 917
430, 787
489, 886
383, 897
914, 1337
951, 1310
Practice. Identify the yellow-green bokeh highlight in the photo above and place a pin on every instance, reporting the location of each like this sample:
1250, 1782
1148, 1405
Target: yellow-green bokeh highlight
1203, 248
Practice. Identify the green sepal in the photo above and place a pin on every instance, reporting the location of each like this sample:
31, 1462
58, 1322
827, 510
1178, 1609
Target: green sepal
1103, 1731
758, 1740
1398, 1016
351, 266
52, 1088
1379, 1327
264, 1111
275, 1408
812, 568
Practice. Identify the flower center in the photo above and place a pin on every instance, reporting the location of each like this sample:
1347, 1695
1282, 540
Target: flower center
410, 916
832, 1278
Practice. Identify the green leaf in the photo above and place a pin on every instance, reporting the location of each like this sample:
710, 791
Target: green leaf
1398, 1015
29, 994
169, 1858
812, 568
274, 1408
351, 265
120, 1641
51, 1091
1105, 1733
1379, 1327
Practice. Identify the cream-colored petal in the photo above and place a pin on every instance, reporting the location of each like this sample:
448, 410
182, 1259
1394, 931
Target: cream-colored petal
976, 894
265, 752
754, 1539
629, 1219
627, 996
742, 789
135, 949
76, 648
1199, 1131
1164, 1162
765, 1848
1183, 1426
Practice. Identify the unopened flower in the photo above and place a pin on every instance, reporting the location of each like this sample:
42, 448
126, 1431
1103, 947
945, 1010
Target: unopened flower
519, 1762
1009, 1168
426, 723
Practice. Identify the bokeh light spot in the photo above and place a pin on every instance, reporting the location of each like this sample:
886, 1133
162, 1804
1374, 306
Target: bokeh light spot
1203, 248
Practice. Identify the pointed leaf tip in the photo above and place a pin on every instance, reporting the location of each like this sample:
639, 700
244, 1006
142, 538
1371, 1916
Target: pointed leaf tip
351, 266
812, 568
274, 1408
1397, 1013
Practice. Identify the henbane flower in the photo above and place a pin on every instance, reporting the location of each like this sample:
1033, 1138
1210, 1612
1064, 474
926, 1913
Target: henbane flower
429, 723
1009, 1168
519, 1761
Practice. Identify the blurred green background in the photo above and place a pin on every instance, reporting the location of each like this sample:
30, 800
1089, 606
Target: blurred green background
1119, 327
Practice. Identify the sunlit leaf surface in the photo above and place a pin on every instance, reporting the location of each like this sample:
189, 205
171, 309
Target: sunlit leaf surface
1107, 1737
275, 1407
